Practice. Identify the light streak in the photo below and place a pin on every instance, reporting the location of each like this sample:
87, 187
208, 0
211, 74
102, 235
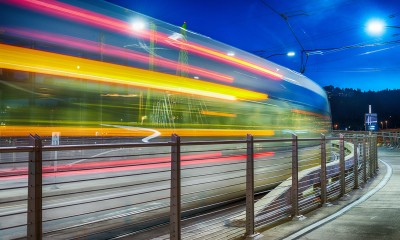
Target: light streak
200, 50
154, 132
309, 113
82, 44
128, 165
218, 114
30, 60
95, 19
74, 131
119, 95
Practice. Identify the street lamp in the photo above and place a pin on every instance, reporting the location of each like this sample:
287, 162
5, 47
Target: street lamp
382, 124
289, 54
386, 123
376, 27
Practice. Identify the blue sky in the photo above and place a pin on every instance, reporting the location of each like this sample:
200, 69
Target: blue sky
333, 32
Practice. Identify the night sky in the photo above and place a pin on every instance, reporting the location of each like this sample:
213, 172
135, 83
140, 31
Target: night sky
333, 32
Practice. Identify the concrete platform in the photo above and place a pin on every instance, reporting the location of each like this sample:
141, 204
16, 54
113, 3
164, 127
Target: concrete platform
372, 212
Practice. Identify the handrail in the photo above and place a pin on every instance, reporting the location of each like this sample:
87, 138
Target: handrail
304, 174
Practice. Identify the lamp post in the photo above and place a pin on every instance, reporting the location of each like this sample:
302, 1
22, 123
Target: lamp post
386, 123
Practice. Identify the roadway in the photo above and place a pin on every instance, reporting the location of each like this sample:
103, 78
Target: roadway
372, 212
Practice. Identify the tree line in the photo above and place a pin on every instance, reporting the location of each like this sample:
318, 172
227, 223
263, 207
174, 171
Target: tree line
349, 106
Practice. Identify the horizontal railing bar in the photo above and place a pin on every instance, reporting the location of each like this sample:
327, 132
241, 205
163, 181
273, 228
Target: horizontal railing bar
108, 177
102, 146
99, 189
108, 199
155, 144
16, 149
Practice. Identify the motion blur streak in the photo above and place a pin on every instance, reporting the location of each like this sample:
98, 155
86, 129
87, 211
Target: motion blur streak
222, 114
92, 18
231, 59
119, 166
309, 113
67, 66
110, 132
114, 51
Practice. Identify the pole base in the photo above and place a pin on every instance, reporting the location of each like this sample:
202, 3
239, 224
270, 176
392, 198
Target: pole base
254, 236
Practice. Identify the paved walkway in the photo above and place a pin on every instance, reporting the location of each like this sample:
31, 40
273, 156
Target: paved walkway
369, 213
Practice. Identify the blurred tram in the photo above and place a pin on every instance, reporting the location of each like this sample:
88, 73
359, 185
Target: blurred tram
97, 70
90, 69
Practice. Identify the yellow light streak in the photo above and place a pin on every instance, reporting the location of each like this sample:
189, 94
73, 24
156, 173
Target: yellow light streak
23, 59
119, 95
222, 114
10, 131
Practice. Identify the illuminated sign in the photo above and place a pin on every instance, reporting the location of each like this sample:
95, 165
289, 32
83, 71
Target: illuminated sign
371, 122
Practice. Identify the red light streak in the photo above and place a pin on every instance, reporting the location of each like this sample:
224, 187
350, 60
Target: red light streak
95, 19
120, 165
115, 51
222, 57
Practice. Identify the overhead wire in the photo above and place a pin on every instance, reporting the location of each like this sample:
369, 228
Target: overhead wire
286, 19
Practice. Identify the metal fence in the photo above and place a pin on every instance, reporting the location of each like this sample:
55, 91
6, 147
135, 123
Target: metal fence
224, 189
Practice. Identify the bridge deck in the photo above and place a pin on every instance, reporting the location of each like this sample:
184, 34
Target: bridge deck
372, 212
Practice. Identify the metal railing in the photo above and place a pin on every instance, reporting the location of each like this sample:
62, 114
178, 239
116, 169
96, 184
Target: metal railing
199, 189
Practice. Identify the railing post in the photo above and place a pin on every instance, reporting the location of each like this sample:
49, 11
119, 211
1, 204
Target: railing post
391, 139
355, 166
370, 156
295, 176
384, 139
364, 159
342, 167
175, 205
376, 153
34, 215
250, 234
323, 170
373, 155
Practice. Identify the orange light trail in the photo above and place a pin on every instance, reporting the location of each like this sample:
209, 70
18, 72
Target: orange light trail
23, 59
10, 131
309, 113
218, 114
92, 18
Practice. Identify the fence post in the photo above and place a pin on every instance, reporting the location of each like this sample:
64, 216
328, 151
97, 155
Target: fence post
376, 153
373, 155
355, 166
370, 154
250, 234
391, 139
175, 204
342, 167
323, 169
295, 177
34, 215
364, 159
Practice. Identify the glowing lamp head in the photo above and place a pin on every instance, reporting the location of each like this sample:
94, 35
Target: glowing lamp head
291, 54
375, 27
138, 25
